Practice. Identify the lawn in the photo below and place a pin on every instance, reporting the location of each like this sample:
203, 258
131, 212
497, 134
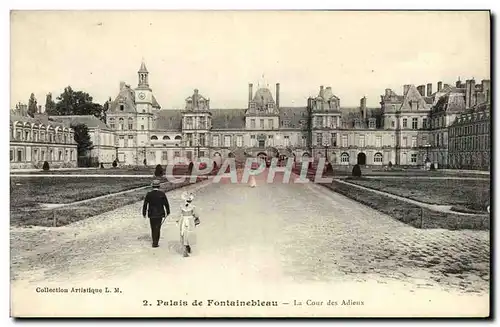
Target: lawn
178, 170
28, 191
409, 213
71, 213
472, 194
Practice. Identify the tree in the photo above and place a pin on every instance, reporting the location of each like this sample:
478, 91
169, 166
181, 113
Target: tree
158, 171
50, 105
45, 166
115, 163
32, 105
356, 171
72, 102
82, 139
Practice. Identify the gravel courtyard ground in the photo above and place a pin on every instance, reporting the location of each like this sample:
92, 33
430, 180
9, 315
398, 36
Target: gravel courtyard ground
283, 242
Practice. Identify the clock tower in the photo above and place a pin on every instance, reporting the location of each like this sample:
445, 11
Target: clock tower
143, 93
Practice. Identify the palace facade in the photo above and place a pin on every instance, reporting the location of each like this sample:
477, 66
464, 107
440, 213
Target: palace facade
408, 128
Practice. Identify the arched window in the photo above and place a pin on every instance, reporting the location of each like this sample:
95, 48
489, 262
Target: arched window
120, 123
377, 158
178, 137
344, 158
130, 123
154, 137
166, 137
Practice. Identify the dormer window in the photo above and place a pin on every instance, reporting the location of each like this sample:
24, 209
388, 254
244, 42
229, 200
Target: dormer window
270, 105
122, 107
252, 105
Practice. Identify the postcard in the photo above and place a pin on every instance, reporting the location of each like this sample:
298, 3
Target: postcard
250, 163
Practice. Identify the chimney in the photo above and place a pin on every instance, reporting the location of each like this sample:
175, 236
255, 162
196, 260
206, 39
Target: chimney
387, 92
362, 106
421, 90
122, 85
485, 83
469, 90
39, 109
250, 92
277, 95
458, 83
429, 89
406, 88
321, 91
440, 86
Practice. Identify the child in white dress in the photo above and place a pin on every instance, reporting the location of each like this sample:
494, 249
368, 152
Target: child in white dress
187, 222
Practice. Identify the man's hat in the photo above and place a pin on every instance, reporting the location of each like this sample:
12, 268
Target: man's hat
156, 183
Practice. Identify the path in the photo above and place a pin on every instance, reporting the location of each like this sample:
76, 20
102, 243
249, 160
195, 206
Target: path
280, 242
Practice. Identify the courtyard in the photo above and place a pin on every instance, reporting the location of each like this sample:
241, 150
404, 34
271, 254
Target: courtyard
275, 241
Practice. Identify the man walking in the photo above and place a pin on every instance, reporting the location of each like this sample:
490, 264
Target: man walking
157, 207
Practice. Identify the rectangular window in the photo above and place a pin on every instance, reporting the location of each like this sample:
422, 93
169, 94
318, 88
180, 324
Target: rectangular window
142, 127
239, 140
270, 122
413, 141
319, 138
414, 123
262, 124
304, 140
424, 140
215, 140
371, 124
413, 158
164, 155
177, 154
319, 122
361, 141
11, 155
393, 124
405, 142
201, 139
378, 141
333, 140
424, 123
227, 141
19, 155
252, 123
287, 140
189, 122
344, 141
405, 123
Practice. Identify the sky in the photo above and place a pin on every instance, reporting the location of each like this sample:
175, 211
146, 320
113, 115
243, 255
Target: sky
356, 53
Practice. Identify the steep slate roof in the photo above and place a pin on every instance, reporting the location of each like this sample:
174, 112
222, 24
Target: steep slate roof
167, 119
37, 119
89, 120
128, 95
293, 116
155, 103
263, 96
228, 118
350, 114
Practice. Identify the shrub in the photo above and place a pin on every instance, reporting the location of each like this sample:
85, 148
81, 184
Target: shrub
329, 168
432, 167
115, 163
102, 165
158, 171
390, 164
190, 168
46, 166
356, 171
145, 162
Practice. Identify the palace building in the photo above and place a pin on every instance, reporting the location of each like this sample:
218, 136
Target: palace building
408, 128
